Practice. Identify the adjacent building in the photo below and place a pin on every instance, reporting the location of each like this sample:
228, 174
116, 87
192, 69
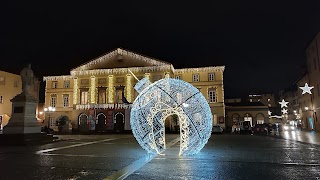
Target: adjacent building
96, 96
246, 109
312, 78
10, 86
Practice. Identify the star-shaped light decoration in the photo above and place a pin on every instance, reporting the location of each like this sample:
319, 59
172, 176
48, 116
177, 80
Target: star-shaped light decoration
284, 111
283, 103
306, 88
269, 112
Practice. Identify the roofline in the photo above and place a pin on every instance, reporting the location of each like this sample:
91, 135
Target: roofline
119, 51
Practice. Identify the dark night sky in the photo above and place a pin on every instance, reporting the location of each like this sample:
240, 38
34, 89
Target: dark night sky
261, 44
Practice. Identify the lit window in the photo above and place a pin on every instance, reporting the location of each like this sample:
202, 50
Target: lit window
53, 101
268, 99
84, 97
102, 96
54, 85
66, 100
195, 77
211, 76
1, 99
250, 100
2, 80
178, 76
212, 95
66, 84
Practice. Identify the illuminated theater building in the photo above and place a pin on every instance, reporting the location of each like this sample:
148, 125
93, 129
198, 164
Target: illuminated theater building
96, 96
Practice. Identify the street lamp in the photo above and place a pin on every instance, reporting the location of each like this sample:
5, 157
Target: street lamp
49, 110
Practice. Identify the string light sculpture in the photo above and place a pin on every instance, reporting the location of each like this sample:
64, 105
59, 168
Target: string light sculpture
161, 99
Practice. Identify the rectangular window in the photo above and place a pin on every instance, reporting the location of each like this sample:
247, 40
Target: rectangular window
2, 80
102, 81
156, 77
1, 118
52, 121
84, 81
102, 96
84, 97
66, 100
195, 77
211, 76
212, 95
1, 99
120, 79
54, 84
66, 84
53, 101
15, 84
178, 77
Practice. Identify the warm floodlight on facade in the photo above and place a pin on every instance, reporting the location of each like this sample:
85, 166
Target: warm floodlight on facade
162, 99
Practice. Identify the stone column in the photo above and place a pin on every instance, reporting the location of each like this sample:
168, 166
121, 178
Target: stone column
75, 91
129, 88
93, 90
110, 89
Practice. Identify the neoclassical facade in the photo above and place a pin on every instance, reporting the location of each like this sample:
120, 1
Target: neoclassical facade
96, 96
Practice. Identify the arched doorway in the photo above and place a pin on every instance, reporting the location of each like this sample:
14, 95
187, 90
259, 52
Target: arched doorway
119, 118
248, 117
260, 118
101, 122
83, 123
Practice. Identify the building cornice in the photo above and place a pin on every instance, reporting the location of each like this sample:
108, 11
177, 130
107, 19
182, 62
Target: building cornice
56, 78
201, 69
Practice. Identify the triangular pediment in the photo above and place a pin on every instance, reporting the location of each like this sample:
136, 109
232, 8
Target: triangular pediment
120, 58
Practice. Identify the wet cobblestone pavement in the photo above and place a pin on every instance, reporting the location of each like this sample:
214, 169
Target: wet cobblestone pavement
226, 156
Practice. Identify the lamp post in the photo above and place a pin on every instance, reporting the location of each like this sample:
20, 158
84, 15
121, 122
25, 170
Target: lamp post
49, 110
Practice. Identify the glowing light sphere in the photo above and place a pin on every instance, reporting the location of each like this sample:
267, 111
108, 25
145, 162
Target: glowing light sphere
161, 99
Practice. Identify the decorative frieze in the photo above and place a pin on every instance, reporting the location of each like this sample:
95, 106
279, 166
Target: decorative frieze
57, 78
102, 106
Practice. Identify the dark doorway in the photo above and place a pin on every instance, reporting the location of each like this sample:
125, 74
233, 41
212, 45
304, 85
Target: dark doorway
119, 126
83, 123
101, 123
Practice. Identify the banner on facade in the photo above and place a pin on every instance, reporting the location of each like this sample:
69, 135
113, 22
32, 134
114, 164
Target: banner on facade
221, 119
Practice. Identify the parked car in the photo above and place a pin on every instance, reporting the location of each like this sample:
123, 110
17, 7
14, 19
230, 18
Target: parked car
244, 127
47, 130
217, 129
260, 129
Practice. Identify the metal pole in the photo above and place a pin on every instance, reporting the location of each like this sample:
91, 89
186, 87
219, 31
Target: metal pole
49, 120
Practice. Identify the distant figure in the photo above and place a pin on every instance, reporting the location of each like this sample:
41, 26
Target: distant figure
27, 78
124, 99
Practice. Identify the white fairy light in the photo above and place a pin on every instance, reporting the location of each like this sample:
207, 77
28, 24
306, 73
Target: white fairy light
148, 114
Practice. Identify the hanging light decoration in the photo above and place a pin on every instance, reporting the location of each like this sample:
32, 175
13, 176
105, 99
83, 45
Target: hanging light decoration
162, 99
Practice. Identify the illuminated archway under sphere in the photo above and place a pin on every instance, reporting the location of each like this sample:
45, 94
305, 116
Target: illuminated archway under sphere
162, 99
